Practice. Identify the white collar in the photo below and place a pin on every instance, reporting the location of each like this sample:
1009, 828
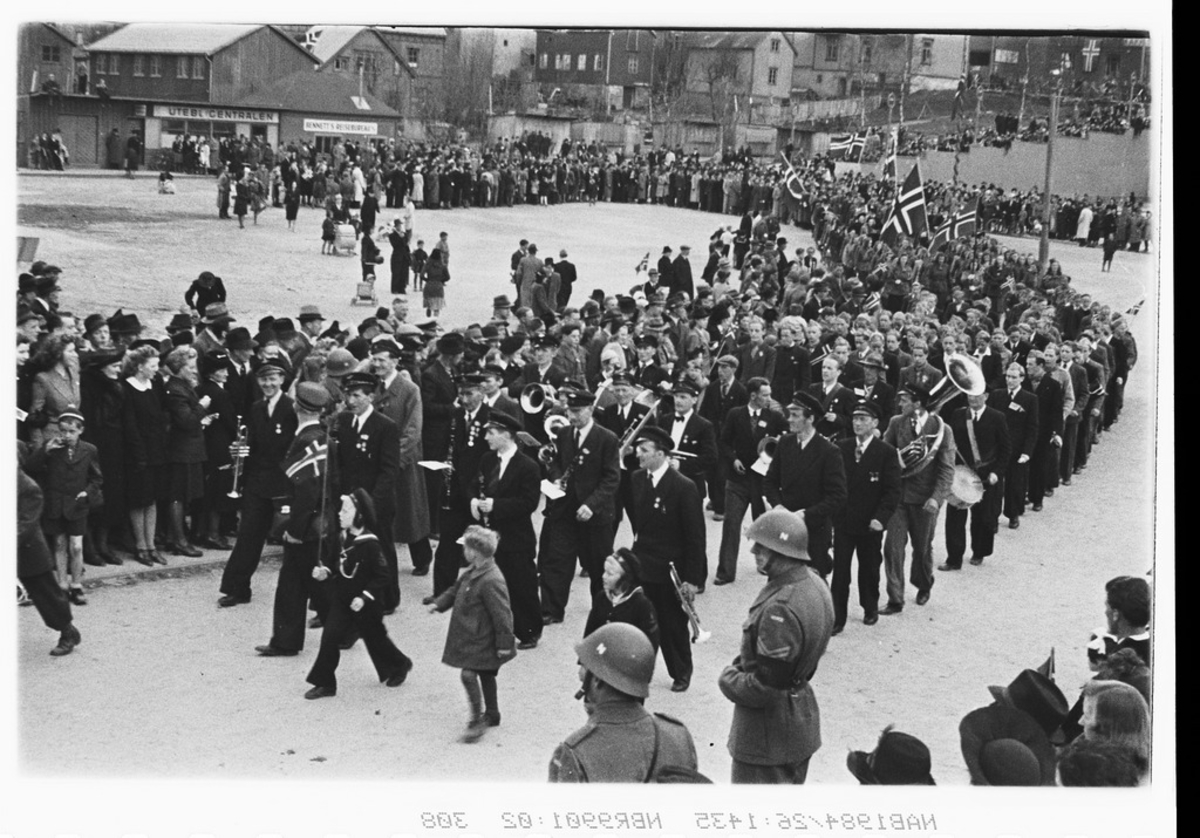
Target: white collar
139, 385
361, 419
657, 474
387, 382
585, 430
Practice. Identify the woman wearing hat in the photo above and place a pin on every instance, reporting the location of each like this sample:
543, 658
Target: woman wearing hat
187, 419
144, 429
100, 384
55, 385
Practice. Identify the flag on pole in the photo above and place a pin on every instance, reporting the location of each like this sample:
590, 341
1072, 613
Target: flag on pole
962, 223
1136, 307
908, 216
873, 302
793, 183
847, 146
642, 265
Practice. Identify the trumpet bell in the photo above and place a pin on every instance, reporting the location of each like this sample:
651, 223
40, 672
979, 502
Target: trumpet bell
535, 396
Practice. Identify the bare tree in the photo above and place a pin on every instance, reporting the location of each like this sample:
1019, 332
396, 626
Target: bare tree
719, 74
466, 77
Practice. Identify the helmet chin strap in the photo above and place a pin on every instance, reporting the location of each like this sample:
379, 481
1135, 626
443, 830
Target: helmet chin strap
588, 677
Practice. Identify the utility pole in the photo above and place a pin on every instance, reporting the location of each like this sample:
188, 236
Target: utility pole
1024, 87
904, 77
1044, 245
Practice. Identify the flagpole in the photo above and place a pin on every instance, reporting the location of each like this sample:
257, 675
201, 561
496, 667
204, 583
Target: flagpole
1044, 244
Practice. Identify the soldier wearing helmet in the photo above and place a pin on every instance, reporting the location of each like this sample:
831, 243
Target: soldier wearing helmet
776, 724
621, 742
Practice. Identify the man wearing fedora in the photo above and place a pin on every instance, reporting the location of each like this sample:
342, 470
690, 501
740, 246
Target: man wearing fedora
312, 323
214, 326
242, 384
899, 759
439, 394
776, 722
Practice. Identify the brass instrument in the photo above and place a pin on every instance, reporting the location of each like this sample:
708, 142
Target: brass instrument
549, 451
534, 397
699, 635
648, 399
242, 437
963, 375
448, 488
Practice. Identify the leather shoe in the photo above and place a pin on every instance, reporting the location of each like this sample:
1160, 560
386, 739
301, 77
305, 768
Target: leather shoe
185, 549
93, 560
1014, 523
1037, 507
492, 718
977, 560
316, 623
837, 630
948, 566
528, 644
112, 558
67, 641
1065, 482
399, 678
270, 651
549, 620
421, 571
429, 600
144, 557
891, 608
721, 581
76, 596
870, 619
922, 597
320, 692
229, 600
717, 516
680, 685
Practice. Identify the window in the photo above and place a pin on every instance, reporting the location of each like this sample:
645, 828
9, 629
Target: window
564, 61
533, 59
1065, 61
633, 65
832, 46
51, 54
182, 64
581, 62
341, 63
544, 60
597, 62
820, 78
139, 65
773, 76
114, 64
774, 45
631, 40
413, 55
155, 67
101, 64
868, 50
1112, 65
198, 66
926, 52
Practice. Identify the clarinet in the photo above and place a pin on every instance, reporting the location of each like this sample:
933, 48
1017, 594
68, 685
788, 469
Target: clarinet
483, 516
449, 487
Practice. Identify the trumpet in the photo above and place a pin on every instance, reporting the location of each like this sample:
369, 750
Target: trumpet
699, 635
237, 461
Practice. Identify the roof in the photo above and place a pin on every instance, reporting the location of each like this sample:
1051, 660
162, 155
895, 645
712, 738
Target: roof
206, 38
318, 93
725, 40
327, 42
420, 31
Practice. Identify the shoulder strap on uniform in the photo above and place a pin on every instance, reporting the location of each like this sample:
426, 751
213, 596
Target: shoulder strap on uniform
654, 757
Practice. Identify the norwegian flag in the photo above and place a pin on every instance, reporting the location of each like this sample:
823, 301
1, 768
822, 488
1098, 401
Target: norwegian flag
642, 265
316, 454
847, 146
909, 216
873, 303
793, 183
960, 224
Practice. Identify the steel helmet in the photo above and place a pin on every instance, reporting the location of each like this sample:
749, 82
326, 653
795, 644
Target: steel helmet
782, 531
621, 656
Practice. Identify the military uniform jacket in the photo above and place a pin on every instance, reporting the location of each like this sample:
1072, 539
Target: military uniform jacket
595, 478
269, 438
872, 483
368, 458
617, 745
810, 479
775, 718
670, 527
304, 469
468, 446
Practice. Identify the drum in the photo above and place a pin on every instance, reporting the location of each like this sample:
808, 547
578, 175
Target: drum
966, 489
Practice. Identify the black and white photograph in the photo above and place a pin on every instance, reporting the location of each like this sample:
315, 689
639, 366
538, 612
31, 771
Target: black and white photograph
750, 401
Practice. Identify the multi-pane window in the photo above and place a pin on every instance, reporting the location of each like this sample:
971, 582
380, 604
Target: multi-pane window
155, 67
926, 52
581, 62
773, 76
114, 64
868, 49
832, 47
139, 65
182, 64
544, 60
101, 64
633, 65
198, 66
774, 45
413, 55
51, 53
598, 62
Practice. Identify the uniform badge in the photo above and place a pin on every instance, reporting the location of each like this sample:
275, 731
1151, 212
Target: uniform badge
761, 423
278, 428
659, 506
873, 476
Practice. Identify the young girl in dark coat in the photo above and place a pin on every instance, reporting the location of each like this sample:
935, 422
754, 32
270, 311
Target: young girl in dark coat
626, 602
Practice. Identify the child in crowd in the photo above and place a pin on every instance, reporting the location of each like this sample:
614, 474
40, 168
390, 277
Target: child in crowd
480, 638
419, 258
328, 233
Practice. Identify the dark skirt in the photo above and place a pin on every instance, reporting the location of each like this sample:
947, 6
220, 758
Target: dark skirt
143, 487
185, 482
61, 526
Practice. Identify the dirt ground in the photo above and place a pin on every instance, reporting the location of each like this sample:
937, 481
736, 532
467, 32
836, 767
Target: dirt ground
166, 685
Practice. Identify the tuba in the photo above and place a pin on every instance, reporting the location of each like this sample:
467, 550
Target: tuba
963, 375
535, 396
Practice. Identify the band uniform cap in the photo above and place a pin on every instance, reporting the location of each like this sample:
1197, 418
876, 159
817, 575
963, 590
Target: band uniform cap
308, 313
360, 380
621, 377
873, 359
899, 759
645, 340
545, 342
492, 371
430, 326
214, 312
386, 343
501, 301
451, 343
1003, 746
685, 388
918, 393
271, 367
239, 338
577, 397
658, 436
502, 421
71, 412
472, 380
312, 397
781, 531
866, 408
410, 330
677, 299
1036, 695
808, 400
728, 361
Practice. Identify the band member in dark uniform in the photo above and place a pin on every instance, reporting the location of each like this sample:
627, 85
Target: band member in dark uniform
467, 447
621, 418
806, 475
981, 439
310, 525
439, 391
541, 370
355, 580
1020, 409
368, 454
873, 490
578, 525
836, 401
694, 438
669, 522
270, 428
509, 491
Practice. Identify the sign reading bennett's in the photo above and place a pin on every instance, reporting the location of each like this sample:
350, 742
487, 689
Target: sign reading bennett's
216, 114
341, 126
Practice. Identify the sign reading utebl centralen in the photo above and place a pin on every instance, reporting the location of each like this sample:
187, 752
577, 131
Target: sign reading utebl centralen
216, 114
338, 126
